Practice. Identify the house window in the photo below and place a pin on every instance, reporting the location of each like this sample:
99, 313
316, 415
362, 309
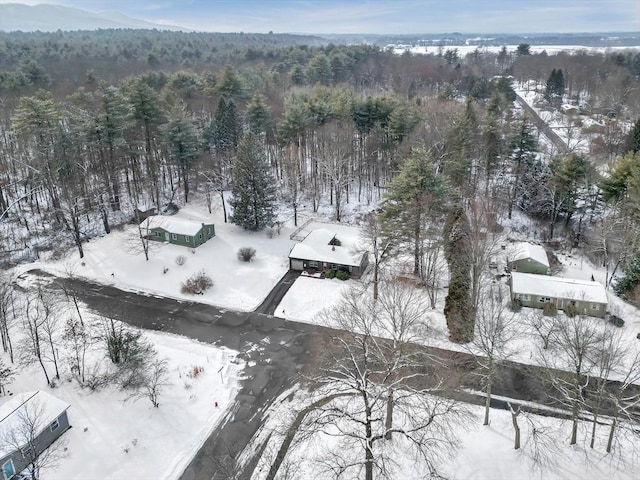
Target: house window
199, 236
174, 236
26, 452
54, 425
524, 296
544, 299
8, 470
595, 306
187, 238
313, 264
209, 230
157, 234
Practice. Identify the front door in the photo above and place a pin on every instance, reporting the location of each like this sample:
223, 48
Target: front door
166, 236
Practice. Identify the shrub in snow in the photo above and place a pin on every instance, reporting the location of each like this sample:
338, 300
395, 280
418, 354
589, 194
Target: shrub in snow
197, 284
549, 309
616, 321
180, 260
516, 305
342, 275
330, 274
570, 310
246, 254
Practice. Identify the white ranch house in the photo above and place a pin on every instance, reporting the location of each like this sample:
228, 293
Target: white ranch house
589, 298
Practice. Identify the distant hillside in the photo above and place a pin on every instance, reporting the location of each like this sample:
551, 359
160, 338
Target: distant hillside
50, 18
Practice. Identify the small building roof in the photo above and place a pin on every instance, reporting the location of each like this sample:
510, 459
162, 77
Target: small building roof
524, 250
39, 406
315, 247
558, 287
173, 224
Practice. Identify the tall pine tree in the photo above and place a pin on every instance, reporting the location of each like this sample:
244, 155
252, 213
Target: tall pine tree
254, 191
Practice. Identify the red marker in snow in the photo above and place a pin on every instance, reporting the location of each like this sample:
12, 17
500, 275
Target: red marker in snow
215, 404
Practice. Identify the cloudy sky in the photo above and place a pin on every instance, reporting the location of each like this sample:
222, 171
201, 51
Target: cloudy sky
377, 16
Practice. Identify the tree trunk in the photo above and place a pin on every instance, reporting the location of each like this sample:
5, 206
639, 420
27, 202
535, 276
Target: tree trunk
593, 430
612, 432
388, 422
516, 427
574, 427
224, 207
376, 271
487, 402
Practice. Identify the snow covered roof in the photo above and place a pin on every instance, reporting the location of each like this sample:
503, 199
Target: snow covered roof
173, 224
39, 406
558, 287
316, 247
524, 250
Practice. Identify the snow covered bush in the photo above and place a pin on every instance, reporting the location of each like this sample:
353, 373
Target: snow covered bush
330, 274
197, 284
342, 275
246, 254
549, 309
180, 260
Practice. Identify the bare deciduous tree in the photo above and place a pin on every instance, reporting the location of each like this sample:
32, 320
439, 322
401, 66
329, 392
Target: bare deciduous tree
384, 395
6, 377
571, 365
78, 341
495, 329
7, 314
154, 379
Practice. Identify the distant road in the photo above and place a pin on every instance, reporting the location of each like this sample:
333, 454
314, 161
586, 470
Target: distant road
543, 127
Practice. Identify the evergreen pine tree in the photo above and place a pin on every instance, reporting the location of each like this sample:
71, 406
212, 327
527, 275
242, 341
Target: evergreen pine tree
254, 191
635, 137
458, 309
415, 196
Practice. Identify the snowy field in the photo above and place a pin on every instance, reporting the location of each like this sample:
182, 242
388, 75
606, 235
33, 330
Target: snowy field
534, 49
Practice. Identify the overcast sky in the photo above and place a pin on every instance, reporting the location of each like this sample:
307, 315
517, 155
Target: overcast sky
377, 16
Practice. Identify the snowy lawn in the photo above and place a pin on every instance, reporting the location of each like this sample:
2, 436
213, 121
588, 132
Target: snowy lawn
114, 439
484, 453
117, 258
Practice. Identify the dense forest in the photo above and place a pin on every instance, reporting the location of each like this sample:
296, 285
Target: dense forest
99, 125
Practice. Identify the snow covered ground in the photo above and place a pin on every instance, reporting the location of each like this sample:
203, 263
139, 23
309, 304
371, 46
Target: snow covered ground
117, 259
115, 438
534, 49
484, 453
